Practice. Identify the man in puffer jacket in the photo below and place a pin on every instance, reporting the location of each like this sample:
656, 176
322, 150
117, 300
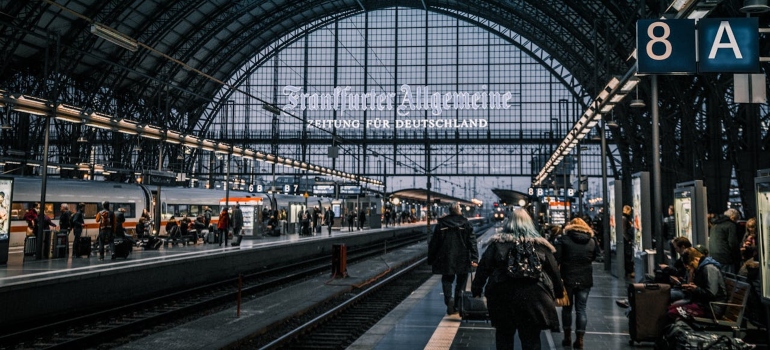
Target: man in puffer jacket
576, 249
452, 252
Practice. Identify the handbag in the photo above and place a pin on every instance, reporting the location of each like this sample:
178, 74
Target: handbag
564, 300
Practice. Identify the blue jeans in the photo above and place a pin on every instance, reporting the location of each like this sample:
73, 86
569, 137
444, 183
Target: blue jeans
579, 298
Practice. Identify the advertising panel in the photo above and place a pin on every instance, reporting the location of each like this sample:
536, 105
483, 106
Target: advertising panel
763, 229
6, 192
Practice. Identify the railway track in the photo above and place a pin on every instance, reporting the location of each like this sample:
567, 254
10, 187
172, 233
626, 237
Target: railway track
112, 327
339, 325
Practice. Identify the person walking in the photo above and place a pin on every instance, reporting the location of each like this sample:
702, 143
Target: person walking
78, 223
237, 223
361, 219
106, 220
452, 252
524, 304
222, 225
329, 219
351, 220
576, 249
628, 242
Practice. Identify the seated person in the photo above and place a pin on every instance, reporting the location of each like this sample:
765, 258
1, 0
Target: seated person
272, 226
707, 285
140, 228
172, 229
678, 274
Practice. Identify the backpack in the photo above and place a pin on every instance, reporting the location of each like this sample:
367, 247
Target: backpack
105, 221
523, 261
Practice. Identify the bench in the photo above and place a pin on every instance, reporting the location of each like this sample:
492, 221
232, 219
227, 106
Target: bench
738, 295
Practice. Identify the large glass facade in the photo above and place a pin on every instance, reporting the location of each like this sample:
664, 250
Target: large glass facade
430, 65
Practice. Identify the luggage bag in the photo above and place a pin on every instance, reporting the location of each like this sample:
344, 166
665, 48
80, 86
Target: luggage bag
649, 307
211, 237
473, 309
84, 246
153, 243
30, 245
122, 248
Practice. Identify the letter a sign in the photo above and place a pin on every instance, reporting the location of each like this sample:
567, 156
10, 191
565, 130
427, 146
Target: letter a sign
728, 45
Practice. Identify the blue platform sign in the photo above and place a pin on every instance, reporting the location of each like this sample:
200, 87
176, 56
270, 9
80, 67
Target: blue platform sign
665, 47
728, 45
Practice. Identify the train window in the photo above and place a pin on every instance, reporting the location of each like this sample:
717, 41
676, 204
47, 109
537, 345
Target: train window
91, 210
182, 210
194, 210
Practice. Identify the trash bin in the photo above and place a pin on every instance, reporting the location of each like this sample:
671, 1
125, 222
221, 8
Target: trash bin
49, 239
30, 245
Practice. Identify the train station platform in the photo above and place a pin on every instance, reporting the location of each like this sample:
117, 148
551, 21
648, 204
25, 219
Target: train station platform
420, 322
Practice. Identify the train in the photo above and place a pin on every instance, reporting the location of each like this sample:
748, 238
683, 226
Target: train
135, 198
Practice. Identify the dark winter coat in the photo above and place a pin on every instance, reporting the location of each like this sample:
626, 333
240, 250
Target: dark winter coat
453, 246
519, 302
575, 251
724, 241
710, 283
237, 219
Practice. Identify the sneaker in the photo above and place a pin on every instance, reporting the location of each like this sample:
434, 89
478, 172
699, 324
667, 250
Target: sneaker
623, 303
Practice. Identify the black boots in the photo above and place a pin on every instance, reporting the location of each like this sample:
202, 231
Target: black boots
567, 337
450, 307
578, 344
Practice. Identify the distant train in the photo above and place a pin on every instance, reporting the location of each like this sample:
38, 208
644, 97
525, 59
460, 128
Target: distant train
134, 198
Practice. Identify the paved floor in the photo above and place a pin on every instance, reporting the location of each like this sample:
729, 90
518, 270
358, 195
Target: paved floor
420, 322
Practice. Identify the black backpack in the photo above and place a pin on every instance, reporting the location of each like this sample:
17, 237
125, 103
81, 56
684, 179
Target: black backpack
523, 261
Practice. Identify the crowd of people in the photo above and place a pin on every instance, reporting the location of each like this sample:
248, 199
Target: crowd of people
565, 254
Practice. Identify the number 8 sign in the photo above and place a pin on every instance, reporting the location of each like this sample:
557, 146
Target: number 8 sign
665, 47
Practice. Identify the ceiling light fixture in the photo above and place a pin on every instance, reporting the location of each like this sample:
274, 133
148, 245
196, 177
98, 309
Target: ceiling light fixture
114, 37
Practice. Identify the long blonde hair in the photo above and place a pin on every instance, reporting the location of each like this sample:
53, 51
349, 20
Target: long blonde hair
520, 225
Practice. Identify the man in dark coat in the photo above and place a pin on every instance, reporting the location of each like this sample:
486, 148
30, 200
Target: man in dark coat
237, 222
452, 252
523, 305
724, 241
361, 219
576, 249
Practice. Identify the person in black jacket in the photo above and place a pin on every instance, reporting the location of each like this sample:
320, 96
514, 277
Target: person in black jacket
78, 223
576, 249
725, 242
523, 305
452, 252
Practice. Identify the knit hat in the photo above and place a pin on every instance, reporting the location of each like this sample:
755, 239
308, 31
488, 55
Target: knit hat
578, 225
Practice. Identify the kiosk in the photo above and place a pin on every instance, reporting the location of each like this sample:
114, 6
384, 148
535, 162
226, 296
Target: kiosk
690, 212
248, 205
762, 186
615, 205
644, 252
6, 198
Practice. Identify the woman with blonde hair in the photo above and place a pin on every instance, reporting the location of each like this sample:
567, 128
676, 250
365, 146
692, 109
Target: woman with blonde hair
522, 304
576, 249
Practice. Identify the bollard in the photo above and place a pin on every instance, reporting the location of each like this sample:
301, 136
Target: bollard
339, 261
240, 286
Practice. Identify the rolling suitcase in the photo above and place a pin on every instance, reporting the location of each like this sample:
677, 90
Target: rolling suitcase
211, 237
473, 309
122, 248
84, 246
30, 245
153, 243
649, 306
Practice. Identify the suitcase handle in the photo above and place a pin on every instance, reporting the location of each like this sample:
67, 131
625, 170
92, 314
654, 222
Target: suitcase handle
652, 286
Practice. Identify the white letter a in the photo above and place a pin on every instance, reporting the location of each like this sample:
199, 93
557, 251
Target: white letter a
724, 26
